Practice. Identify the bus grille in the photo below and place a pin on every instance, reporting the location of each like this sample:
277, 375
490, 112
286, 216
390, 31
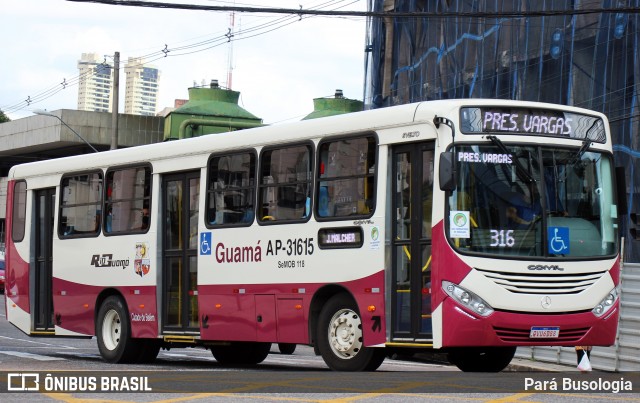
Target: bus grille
522, 335
543, 283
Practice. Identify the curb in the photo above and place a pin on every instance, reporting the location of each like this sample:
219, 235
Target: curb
523, 365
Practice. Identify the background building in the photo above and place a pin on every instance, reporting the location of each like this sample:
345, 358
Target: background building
590, 60
141, 93
209, 110
337, 105
37, 138
95, 83
587, 60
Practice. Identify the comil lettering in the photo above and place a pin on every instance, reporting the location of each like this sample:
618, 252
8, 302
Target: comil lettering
543, 267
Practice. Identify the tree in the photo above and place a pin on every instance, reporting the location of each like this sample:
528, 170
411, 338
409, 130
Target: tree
3, 117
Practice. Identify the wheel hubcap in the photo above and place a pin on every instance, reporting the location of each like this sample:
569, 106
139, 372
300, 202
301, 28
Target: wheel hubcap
111, 330
345, 333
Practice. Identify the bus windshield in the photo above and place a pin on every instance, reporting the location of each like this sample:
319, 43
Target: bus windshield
530, 201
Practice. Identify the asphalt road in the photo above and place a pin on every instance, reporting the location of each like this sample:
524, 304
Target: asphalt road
73, 371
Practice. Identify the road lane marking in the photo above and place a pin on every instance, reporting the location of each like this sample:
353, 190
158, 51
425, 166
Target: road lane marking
38, 342
32, 356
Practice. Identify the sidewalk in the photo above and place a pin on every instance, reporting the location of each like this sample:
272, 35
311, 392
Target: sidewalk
524, 365
516, 365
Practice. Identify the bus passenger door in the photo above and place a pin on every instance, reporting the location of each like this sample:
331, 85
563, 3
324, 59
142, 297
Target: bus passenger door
45, 200
180, 195
412, 195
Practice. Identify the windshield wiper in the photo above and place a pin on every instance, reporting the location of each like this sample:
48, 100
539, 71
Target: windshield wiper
520, 170
583, 149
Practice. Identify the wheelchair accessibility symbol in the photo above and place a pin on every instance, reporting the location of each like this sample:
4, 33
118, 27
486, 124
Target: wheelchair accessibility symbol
558, 239
205, 243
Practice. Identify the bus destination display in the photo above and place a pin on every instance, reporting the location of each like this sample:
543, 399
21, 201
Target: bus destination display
531, 121
344, 237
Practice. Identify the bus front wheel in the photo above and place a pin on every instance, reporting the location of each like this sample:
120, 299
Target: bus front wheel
481, 359
113, 331
340, 338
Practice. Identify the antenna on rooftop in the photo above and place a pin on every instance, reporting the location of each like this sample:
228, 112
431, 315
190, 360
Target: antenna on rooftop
232, 18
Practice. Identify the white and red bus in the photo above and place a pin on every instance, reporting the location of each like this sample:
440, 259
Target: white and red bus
467, 226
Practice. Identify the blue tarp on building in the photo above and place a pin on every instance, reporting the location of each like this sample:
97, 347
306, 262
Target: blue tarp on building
477, 51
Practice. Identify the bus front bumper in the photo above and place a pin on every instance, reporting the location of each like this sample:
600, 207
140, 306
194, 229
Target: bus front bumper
462, 327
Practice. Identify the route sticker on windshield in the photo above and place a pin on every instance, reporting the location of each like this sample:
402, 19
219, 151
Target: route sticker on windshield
459, 224
558, 240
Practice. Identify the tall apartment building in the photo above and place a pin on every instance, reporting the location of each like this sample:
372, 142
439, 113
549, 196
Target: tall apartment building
141, 94
96, 81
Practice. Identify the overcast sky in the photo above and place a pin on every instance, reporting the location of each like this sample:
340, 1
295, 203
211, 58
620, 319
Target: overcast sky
278, 73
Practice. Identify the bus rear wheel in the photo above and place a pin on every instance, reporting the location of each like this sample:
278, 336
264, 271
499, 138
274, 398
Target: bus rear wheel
481, 359
113, 331
340, 338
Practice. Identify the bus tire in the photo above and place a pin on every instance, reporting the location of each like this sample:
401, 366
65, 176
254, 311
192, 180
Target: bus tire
241, 353
340, 337
113, 332
287, 348
481, 359
149, 350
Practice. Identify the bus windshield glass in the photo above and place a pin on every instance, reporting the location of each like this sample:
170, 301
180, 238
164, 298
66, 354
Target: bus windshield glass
526, 201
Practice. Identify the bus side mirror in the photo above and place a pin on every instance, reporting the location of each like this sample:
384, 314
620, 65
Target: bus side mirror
447, 170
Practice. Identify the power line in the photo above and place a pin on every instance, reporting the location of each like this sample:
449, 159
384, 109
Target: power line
294, 15
187, 49
383, 14
48, 93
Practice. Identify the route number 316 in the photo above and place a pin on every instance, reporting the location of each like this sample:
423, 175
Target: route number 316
502, 238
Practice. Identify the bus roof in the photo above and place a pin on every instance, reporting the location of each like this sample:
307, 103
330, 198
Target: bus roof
370, 120
203, 146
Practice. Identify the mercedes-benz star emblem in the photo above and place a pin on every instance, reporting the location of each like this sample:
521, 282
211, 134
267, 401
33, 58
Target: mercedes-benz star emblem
546, 302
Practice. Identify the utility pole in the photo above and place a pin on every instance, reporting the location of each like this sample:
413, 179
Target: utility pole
116, 96
232, 20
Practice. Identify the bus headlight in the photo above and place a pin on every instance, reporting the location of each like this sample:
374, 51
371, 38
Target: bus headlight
467, 299
606, 304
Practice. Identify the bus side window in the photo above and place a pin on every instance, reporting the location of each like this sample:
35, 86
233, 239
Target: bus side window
230, 190
81, 204
323, 202
127, 200
346, 171
285, 183
19, 211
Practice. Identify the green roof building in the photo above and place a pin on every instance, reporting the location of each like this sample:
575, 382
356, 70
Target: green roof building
337, 105
209, 110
